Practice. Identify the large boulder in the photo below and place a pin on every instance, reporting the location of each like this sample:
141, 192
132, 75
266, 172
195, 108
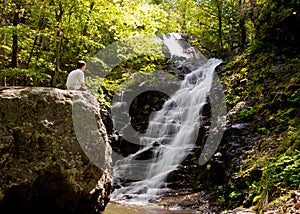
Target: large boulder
55, 155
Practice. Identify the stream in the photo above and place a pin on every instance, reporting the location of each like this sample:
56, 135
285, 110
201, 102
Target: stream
113, 208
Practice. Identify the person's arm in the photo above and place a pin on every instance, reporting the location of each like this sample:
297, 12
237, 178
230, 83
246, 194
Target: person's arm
82, 83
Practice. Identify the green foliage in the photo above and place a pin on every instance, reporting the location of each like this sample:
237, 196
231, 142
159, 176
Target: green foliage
285, 171
18, 76
268, 80
235, 195
121, 65
247, 114
276, 28
279, 175
60, 33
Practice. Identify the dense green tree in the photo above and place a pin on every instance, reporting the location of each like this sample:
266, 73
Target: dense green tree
41, 40
220, 26
278, 27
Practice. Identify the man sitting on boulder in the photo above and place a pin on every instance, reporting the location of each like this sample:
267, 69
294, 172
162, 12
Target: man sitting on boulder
75, 79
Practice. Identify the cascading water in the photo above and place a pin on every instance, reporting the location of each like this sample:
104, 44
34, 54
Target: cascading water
171, 133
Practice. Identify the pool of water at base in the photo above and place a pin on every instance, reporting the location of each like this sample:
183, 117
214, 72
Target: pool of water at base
115, 208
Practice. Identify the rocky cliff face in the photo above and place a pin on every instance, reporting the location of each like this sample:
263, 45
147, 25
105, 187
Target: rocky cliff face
54, 152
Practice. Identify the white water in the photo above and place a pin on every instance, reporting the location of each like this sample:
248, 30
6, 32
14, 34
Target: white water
174, 128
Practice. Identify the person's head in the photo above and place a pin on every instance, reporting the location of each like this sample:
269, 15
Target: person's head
81, 65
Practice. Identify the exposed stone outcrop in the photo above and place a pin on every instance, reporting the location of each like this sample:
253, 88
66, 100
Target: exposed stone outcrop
55, 155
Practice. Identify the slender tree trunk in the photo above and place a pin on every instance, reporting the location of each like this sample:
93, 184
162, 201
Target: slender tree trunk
220, 24
31, 51
3, 8
3, 36
14, 58
243, 30
36, 39
243, 33
88, 19
254, 11
57, 59
3, 22
84, 31
59, 36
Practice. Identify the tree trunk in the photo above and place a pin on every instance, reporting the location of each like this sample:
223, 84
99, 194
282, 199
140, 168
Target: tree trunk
84, 31
36, 39
243, 30
3, 36
14, 58
57, 59
220, 24
59, 36
32, 50
3, 22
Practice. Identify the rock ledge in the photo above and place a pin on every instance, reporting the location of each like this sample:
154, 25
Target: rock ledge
46, 164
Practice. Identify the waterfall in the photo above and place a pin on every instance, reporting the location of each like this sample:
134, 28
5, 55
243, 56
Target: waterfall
172, 131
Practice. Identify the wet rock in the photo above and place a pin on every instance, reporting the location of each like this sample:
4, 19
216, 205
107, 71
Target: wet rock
189, 202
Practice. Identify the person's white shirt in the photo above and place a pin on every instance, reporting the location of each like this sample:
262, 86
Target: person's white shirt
75, 79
